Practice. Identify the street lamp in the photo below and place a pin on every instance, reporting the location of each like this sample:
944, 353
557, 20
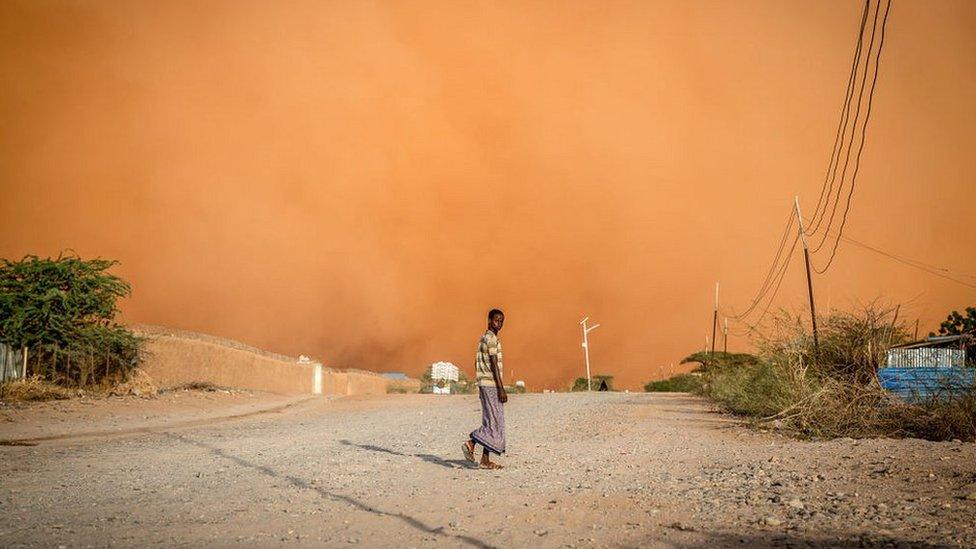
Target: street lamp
586, 349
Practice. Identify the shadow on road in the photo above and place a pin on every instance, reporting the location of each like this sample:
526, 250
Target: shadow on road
762, 540
305, 485
429, 458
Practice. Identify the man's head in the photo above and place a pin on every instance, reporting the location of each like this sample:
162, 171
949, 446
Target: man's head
496, 319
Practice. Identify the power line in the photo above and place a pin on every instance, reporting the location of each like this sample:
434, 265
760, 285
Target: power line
764, 287
942, 272
828, 198
845, 113
781, 275
857, 116
860, 149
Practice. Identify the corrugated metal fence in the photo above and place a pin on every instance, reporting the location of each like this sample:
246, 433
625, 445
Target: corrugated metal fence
926, 372
11, 363
926, 357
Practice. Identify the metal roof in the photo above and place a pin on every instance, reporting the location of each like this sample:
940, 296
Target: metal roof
932, 341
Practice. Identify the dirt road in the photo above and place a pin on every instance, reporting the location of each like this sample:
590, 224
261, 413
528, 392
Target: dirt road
583, 470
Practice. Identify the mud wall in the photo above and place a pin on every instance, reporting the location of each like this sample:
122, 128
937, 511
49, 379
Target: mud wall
173, 359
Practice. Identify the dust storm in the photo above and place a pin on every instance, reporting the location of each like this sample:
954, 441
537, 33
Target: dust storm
362, 181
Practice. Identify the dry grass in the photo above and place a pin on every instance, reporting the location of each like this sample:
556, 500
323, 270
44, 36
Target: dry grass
196, 386
33, 389
38, 389
834, 392
138, 383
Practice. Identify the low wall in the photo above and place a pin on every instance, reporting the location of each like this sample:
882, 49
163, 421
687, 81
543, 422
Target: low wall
176, 357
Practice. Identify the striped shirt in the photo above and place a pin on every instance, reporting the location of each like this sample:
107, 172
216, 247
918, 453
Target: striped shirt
489, 346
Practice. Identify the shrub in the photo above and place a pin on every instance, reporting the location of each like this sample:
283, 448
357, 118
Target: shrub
719, 359
32, 389
758, 389
833, 391
682, 383
852, 344
63, 312
596, 381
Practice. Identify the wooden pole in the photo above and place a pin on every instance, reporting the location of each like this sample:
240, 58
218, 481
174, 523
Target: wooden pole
714, 318
894, 322
725, 331
23, 368
916, 331
806, 260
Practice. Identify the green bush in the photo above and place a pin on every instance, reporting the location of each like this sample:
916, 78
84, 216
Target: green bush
596, 380
708, 359
63, 312
682, 383
759, 389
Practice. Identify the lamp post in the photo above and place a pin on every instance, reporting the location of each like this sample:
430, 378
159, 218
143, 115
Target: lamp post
586, 349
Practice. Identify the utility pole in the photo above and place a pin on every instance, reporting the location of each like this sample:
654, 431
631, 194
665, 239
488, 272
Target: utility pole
725, 331
806, 259
586, 350
714, 318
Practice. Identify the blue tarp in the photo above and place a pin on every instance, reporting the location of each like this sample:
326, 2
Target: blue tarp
923, 383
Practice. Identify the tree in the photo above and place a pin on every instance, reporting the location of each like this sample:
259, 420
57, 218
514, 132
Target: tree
63, 312
957, 324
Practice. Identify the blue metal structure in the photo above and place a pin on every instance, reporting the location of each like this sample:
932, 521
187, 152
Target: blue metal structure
927, 369
925, 383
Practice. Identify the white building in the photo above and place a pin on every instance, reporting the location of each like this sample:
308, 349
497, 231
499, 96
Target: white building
442, 374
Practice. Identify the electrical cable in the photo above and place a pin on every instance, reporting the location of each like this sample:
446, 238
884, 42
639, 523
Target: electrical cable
857, 116
841, 133
781, 275
857, 159
764, 287
942, 272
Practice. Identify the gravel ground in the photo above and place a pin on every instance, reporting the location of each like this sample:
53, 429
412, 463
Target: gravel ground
583, 470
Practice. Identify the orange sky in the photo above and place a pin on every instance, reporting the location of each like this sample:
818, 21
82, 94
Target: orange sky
362, 181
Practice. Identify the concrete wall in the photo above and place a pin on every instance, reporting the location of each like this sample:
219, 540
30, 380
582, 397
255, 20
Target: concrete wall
173, 358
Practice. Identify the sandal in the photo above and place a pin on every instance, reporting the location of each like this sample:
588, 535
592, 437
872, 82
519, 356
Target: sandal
468, 452
491, 465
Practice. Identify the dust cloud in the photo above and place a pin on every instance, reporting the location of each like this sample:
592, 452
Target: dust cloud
362, 181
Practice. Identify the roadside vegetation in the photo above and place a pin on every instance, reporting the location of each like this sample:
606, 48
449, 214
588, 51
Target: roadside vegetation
598, 381
62, 311
832, 391
681, 383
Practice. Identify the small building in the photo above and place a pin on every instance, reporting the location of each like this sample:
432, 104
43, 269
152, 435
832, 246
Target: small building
931, 368
442, 374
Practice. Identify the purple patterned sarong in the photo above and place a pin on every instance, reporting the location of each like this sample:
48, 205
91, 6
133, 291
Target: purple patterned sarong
491, 435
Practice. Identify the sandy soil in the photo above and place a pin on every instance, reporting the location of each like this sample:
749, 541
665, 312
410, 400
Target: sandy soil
582, 470
97, 417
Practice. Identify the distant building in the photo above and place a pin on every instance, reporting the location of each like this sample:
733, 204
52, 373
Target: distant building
395, 375
442, 374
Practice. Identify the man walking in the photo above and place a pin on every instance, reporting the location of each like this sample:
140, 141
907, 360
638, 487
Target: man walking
488, 370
